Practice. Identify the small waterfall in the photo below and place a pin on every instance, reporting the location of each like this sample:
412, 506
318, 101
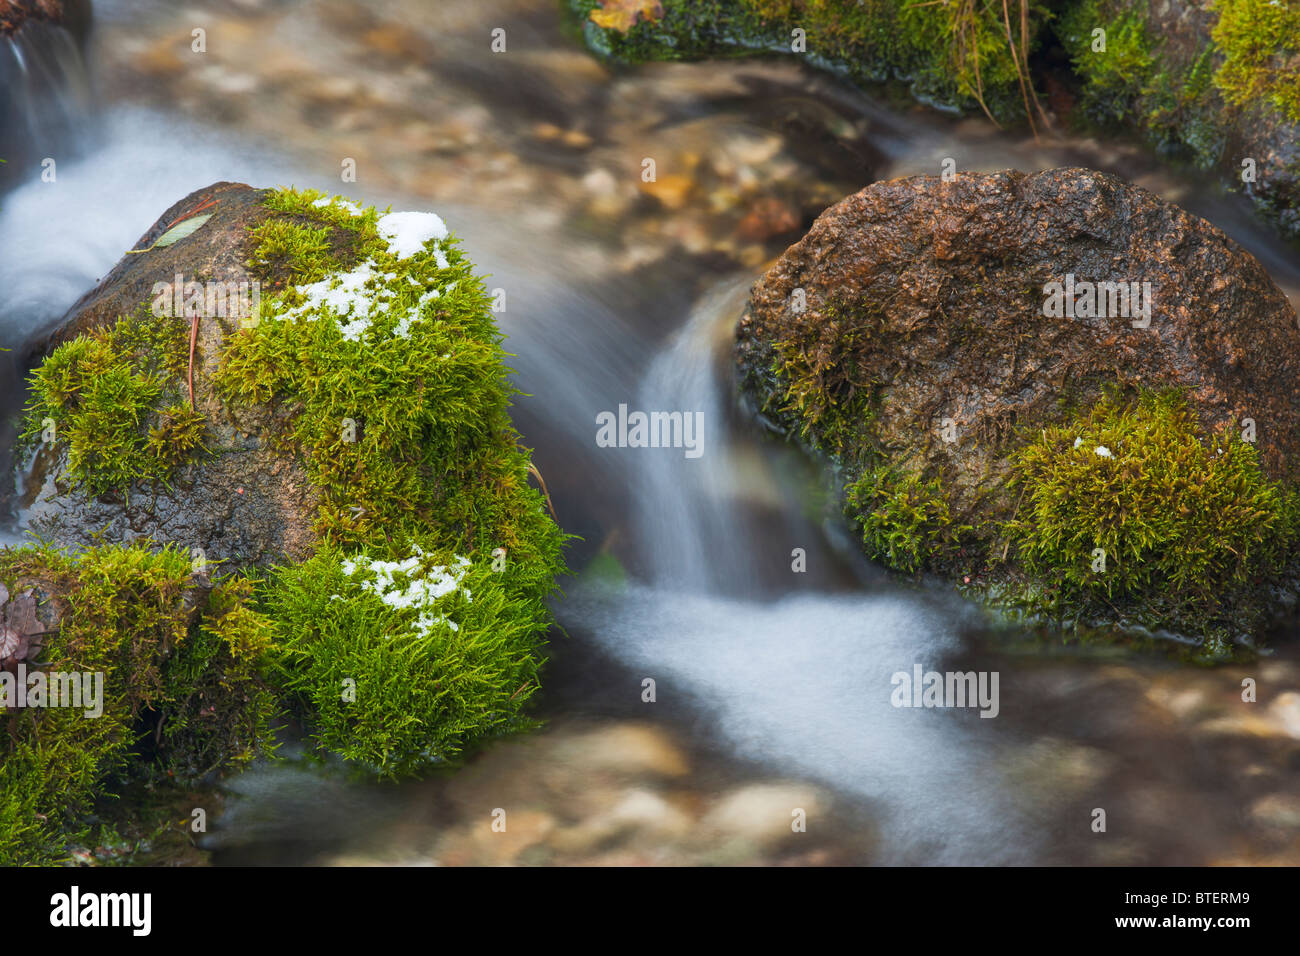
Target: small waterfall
45, 91
793, 671
700, 541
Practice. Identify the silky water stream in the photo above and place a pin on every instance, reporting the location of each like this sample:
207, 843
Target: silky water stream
721, 576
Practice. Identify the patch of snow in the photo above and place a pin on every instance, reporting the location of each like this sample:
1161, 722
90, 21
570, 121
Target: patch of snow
422, 590
407, 232
347, 204
1102, 451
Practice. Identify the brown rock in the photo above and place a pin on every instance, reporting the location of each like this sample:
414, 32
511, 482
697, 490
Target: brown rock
932, 294
15, 13
252, 503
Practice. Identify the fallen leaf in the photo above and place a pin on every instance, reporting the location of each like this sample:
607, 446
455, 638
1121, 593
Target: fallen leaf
179, 232
623, 15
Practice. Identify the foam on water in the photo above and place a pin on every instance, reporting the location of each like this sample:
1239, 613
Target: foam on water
60, 238
803, 686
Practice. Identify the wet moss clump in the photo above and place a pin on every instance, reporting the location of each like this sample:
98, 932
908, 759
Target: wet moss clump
1260, 40
116, 398
906, 521
400, 663
1133, 509
950, 54
180, 662
391, 378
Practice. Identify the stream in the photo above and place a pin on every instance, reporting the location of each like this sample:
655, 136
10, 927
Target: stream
772, 687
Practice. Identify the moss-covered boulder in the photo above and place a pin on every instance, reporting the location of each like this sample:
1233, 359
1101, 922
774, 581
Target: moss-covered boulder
291, 414
1215, 85
1016, 373
143, 668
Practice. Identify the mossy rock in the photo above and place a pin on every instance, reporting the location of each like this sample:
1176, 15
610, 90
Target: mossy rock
1205, 84
180, 658
870, 41
917, 339
306, 425
355, 418
114, 382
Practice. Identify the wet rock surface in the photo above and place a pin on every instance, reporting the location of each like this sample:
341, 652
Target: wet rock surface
247, 501
15, 14
930, 296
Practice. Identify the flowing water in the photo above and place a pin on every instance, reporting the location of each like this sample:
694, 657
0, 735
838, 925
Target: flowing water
772, 687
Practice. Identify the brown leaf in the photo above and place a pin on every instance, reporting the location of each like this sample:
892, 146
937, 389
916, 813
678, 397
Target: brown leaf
20, 614
623, 15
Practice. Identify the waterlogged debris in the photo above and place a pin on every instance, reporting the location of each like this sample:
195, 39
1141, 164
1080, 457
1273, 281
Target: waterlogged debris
623, 15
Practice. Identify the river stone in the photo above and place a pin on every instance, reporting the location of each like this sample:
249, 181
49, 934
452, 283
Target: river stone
74, 14
250, 504
932, 292
1222, 135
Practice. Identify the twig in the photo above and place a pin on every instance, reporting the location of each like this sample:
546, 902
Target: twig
532, 470
194, 339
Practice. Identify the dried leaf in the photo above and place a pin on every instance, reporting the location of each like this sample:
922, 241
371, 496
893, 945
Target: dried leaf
179, 231
20, 614
623, 15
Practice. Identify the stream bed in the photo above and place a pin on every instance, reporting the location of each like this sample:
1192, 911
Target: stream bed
772, 687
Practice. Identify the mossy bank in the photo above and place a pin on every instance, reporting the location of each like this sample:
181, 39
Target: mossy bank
315, 493
1211, 85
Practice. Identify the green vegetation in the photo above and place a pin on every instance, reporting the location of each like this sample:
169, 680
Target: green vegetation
1260, 40
956, 54
401, 418
1186, 519
403, 662
417, 627
115, 397
906, 521
813, 392
1114, 78
180, 687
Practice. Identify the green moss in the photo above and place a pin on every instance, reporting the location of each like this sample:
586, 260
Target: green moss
814, 392
395, 673
404, 423
905, 520
401, 418
1186, 520
953, 54
180, 687
1260, 40
114, 397
1113, 78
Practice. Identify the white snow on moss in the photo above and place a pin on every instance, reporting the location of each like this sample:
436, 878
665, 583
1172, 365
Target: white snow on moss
412, 583
407, 232
347, 204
